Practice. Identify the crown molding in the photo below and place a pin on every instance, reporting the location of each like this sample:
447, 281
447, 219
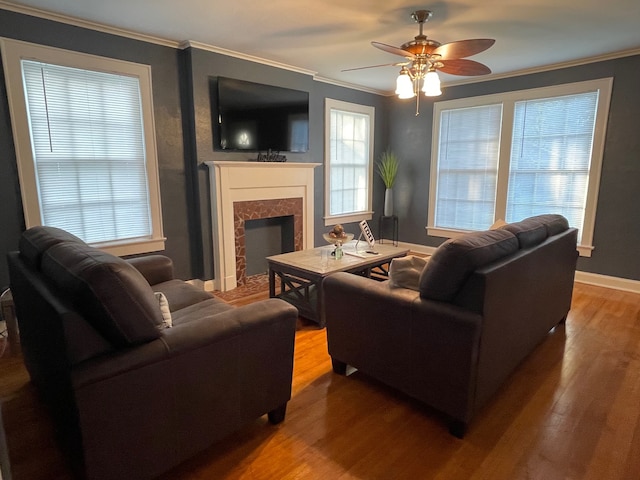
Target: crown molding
534, 70
35, 12
545, 68
352, 86
252, 58
244, 56
77, 22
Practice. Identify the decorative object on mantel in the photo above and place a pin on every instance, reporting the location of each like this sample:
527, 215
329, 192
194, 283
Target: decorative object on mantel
271, 157
388, 169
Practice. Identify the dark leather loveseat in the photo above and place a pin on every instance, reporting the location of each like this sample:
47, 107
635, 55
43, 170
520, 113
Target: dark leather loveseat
480, 305
130, 396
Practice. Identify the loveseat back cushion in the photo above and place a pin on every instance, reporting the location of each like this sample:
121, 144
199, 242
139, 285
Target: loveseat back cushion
529, 232
109, 293
454, 260
37, 240
554, 223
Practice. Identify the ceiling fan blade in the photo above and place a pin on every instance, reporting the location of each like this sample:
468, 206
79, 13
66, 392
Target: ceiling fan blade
464, 67
394, 50
463, 48
376, 66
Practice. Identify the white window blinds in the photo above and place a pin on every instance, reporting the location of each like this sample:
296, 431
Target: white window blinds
517, 154
89, 151
468, 150
349, 157
551, 156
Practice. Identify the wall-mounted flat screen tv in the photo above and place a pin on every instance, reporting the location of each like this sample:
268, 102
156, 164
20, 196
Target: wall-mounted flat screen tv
254, 117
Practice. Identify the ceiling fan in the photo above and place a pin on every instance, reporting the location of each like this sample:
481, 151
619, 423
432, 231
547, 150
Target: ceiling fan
424, 57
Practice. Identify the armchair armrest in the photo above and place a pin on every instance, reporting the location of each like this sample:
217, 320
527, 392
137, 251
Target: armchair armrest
154, 268
176, 395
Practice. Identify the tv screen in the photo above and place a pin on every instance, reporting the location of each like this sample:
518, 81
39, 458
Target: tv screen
256, 118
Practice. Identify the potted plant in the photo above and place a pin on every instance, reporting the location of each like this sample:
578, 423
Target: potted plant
388, 169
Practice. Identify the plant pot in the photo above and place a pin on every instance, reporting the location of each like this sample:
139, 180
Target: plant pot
388, 202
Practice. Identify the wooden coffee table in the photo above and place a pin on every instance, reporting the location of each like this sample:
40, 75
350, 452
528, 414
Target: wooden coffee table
301, 273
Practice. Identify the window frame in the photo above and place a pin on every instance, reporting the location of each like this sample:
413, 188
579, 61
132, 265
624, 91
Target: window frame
13, 52
332, 104
508, 100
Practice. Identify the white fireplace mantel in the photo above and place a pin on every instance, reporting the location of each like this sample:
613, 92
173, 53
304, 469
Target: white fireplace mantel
233, 181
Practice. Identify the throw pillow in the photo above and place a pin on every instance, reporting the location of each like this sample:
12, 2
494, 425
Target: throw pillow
405, 272
167, 322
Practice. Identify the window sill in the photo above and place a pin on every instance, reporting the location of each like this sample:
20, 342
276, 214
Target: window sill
132, 247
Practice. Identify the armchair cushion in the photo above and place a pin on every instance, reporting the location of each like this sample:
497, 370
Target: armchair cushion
181, 294
454, 260
110, 293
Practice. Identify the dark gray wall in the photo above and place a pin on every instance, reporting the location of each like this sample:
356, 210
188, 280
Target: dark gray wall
164, 62
617, 226
204, 66
181, 95
181, 84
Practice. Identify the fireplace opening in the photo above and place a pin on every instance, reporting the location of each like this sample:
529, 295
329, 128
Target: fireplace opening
265, 237
247, 211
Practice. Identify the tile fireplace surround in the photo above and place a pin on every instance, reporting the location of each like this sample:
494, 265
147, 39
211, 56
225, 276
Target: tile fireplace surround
251, 190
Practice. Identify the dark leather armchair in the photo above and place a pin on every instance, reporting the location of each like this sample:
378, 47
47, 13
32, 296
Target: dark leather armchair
130, 397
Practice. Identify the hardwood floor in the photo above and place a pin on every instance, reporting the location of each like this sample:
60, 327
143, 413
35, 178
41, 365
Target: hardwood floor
571, 411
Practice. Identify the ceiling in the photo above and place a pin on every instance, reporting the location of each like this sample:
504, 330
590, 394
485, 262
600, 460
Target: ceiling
327, 36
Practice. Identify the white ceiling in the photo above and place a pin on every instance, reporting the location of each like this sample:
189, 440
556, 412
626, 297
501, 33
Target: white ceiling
326, 36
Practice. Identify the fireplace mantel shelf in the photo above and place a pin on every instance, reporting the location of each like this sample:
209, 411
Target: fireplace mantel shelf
243, 164
241, 181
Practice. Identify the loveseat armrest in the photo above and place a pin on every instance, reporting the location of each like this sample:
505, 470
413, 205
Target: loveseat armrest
365, 317
154, 268
425, 348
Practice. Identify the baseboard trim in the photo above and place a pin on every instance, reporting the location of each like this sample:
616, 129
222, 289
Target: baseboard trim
616, 283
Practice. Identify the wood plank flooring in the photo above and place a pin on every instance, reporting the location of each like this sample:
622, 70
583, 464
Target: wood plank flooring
571, 411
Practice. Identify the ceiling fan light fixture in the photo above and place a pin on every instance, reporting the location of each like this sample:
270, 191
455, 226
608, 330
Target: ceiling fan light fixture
431, 85
425, 56
404, 85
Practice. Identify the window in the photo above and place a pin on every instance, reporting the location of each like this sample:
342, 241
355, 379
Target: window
348, 161
85, 144
519, 154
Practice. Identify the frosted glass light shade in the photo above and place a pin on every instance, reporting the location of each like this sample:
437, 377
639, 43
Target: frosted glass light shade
404, 86
431, 86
